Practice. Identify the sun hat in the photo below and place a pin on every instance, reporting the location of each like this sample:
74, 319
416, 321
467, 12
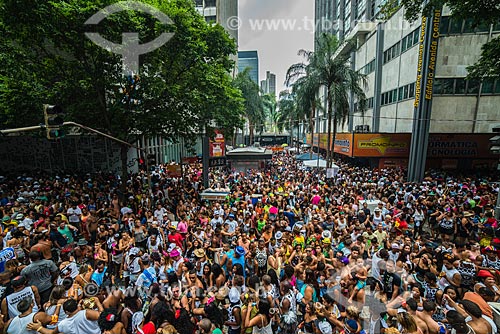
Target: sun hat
82, 242
485, 274
200, 252
222, 293
326, 234
174, 253
240, 250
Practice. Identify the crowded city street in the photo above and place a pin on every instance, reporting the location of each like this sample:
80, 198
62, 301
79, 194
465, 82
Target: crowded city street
287, 250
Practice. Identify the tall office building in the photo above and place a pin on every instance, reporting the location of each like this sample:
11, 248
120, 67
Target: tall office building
387, 52
249, 59
268, 86
219, 11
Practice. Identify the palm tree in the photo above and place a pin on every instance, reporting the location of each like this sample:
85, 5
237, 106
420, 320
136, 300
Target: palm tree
302, 79
271, 111
336, 75
254, 108
287, 112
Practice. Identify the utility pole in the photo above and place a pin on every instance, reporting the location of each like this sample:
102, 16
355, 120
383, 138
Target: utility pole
205, 158
495, 149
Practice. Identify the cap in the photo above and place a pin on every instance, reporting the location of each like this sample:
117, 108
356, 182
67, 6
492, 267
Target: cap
326, 234
145, 258
278, 235
395, 245
134, 251
171, 247
327, 241
18, 281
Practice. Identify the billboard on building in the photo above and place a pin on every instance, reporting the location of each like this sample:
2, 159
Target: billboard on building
217, 147
381, 144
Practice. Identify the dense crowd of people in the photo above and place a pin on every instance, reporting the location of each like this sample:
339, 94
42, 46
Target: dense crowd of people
286, 251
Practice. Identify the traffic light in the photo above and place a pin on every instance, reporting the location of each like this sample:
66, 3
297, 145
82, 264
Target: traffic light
142, 165
151, 160
54, 119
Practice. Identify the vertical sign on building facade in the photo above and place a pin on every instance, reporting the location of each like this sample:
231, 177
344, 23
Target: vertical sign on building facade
426, 69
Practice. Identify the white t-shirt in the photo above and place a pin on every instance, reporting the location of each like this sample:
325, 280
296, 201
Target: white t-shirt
74, 215
78, 324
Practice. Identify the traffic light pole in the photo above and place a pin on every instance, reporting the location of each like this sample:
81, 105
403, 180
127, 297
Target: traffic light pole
28, 128
42, 127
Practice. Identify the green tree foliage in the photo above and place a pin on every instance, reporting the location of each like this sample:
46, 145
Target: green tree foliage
271, 113
254, 106
480, 12
45, 57
305, 86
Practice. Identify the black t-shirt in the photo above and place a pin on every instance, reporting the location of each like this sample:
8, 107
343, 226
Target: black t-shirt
390, 281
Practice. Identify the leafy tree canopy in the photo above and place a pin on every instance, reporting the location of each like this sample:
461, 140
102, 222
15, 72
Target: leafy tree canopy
45, 57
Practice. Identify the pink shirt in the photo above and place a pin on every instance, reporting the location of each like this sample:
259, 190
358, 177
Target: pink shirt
316, 199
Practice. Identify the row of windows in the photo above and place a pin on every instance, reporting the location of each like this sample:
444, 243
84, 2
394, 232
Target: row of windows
208, 3
410, 40
368, 68
451, 26
391, 53
369, 103
403, 93
460, 86
407, 42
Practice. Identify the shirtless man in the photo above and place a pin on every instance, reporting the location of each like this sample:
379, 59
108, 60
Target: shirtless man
426, 316
479, 324
114, 300
44, 245
411, 308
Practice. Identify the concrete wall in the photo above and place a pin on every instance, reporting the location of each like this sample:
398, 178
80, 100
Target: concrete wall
453, 113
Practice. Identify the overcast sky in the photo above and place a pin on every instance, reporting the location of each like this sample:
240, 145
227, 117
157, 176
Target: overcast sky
277, 29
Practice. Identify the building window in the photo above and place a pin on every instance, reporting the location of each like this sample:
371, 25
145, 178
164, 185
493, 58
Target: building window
483, 27
210, 3
391, 53
469, 26
405, 91
497, 87
199, 3
455, 26
443, 86
368, 68
447, 86
444, 26
487, 87
460, 86
211, 19
473, 86
400, 93
369, 103
416, 36
411, 93
496, 27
